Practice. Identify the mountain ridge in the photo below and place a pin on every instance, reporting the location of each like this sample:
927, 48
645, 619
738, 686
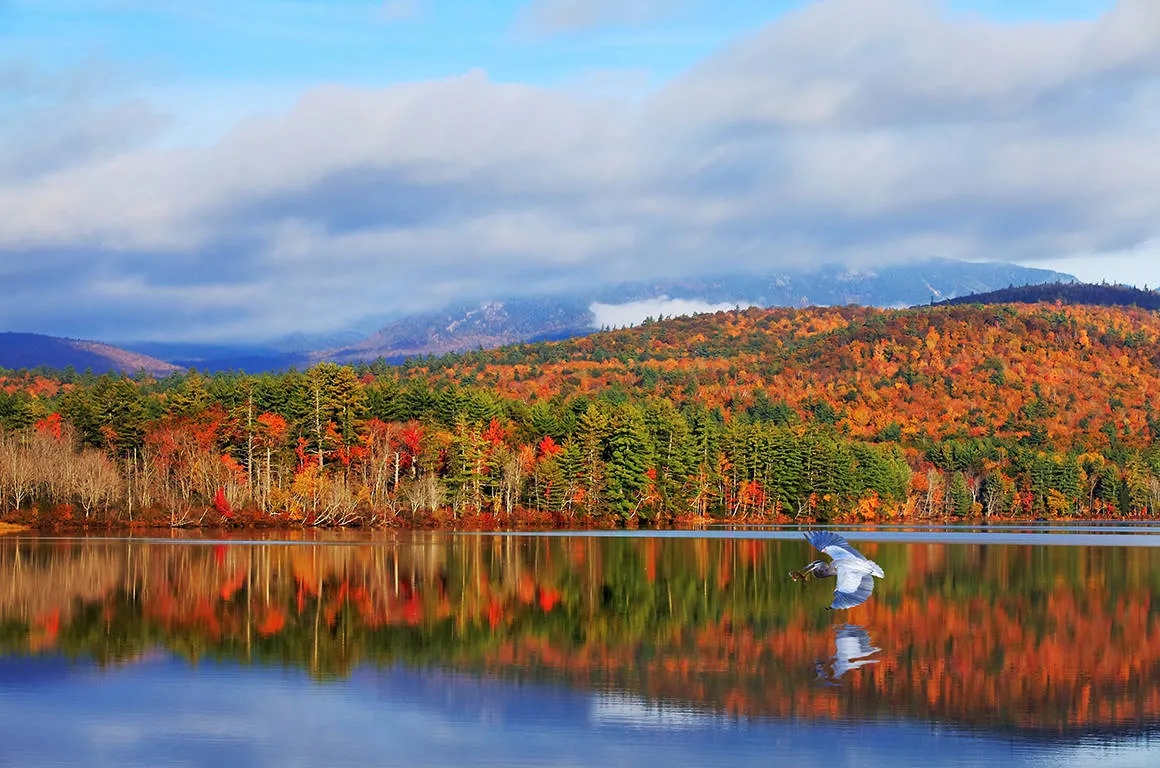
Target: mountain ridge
492, 324
1090, 294
34, 350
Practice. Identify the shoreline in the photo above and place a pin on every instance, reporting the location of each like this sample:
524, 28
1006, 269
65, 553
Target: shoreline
476, 523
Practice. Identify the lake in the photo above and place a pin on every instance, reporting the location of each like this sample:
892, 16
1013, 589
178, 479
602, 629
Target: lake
1026, 646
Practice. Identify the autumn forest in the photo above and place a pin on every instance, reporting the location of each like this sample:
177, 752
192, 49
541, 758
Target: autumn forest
762, 415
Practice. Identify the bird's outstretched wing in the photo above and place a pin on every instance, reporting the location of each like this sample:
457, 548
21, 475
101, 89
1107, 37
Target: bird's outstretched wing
853, 588
839, 549
832, 544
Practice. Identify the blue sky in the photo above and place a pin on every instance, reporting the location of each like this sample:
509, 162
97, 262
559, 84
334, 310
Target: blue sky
222, 160
302, 42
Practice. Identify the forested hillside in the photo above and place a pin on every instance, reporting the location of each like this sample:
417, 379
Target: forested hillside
852, 413
1067, 293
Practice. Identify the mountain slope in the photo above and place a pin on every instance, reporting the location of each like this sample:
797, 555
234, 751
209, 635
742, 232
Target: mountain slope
487, 325
1068, 293
31, 350
214, 358
496, 323
1064, 374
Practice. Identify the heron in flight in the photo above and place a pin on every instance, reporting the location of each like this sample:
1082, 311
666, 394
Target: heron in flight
854, 570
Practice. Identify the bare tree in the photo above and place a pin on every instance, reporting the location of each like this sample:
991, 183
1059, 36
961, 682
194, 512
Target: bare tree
428, 492
98, 483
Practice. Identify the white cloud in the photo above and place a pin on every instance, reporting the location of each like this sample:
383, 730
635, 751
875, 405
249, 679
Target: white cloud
1138, 266
877, 63
858, 131
636, 312
555, 16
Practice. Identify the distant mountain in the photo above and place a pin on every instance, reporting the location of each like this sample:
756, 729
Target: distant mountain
467, 326
1068, 293
215, 358
32, 350
897, 285
490, 324
496, 323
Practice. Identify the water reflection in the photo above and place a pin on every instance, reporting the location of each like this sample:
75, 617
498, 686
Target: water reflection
852, 650
1013, 639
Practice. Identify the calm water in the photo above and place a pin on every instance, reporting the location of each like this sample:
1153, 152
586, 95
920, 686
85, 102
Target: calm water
1014, 646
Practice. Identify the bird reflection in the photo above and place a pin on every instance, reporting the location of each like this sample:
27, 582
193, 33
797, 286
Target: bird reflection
852, 650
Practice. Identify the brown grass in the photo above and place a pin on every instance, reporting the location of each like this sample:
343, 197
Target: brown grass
11, 528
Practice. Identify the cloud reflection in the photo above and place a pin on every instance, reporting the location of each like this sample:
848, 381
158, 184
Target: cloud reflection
231, 715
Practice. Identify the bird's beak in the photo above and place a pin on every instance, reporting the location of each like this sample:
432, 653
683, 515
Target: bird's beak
804, 574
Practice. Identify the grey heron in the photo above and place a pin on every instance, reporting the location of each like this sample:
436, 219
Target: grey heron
854, 571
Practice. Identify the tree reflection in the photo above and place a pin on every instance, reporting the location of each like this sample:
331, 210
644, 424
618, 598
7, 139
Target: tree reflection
1055, 639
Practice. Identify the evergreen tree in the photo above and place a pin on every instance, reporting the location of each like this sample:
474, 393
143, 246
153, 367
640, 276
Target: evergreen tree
592, 429
628, 456
673, 452
385, 400
959, 495
190, 397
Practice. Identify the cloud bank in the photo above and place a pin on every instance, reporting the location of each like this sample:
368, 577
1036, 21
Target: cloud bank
556, 16
636, 312
859, 131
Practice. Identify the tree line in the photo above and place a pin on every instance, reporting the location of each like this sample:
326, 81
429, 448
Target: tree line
326, 446
749, 415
